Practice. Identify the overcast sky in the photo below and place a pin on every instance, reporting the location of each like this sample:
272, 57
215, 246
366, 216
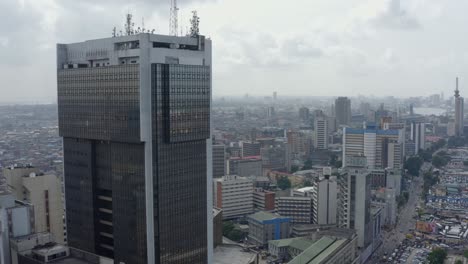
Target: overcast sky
298, 47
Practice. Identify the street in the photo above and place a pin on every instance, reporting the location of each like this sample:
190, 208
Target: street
405, 222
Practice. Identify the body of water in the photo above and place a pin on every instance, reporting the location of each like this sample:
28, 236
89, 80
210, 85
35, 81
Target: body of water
429, 111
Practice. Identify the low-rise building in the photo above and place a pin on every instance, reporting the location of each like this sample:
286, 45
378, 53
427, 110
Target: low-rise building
329, 250
285, 249
265, 226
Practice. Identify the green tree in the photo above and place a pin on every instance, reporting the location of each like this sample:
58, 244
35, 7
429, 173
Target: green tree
465, 254
294, 168
456, 142
439, 161
228, 226
465, 162
284, 183
458, 262
413, 165
235, 235
307, 165
426, 155
437, 256
338, 164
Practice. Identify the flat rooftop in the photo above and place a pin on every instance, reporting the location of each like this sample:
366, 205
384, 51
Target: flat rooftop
232, 255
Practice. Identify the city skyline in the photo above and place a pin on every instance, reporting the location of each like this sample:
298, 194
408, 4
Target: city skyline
321, 48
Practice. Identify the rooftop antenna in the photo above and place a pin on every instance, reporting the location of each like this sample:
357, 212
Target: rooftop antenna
129, 25
114, 32
143, 25
194, 25
173, 22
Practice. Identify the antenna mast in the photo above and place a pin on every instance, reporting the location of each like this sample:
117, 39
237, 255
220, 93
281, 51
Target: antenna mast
173, 20
194, 25
129, 25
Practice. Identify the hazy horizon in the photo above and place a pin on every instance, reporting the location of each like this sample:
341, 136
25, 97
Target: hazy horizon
309, 48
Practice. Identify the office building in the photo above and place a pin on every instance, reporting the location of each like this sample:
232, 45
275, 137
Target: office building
44, 192
264, 226
299, 209
355, 199
234, 195
324, 201
274, 156
321, 130
16, 219
382, 148
459, 112
299, 143
246, 166
304, 114
250, 148
134, 114
219, 161
263, 200
343, 111
418, 136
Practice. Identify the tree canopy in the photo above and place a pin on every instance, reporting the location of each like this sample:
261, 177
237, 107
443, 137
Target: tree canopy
284, 183
437, 256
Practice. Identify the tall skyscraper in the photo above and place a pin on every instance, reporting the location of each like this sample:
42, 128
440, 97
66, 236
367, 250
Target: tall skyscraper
343, 110
304, 114
418, 136
321, 130
355, 199
134, 114
324, 202
459, 102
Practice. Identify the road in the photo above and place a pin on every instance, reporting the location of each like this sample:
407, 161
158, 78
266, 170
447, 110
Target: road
405, 222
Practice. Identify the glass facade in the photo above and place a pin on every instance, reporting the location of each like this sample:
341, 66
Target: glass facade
181, 126
100, 103
104, 161
99, 118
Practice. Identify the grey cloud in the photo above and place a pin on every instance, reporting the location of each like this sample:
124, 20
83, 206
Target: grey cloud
394, 17
300, 48
23, 33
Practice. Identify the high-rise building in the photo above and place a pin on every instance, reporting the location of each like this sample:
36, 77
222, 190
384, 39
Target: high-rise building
382, 148
233, 194
324, 201
459, 114
418, 136
219, 161
263, 200
44, 192
343, 110
355, 199
321, 130
134, 114
304, 113
250, 148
